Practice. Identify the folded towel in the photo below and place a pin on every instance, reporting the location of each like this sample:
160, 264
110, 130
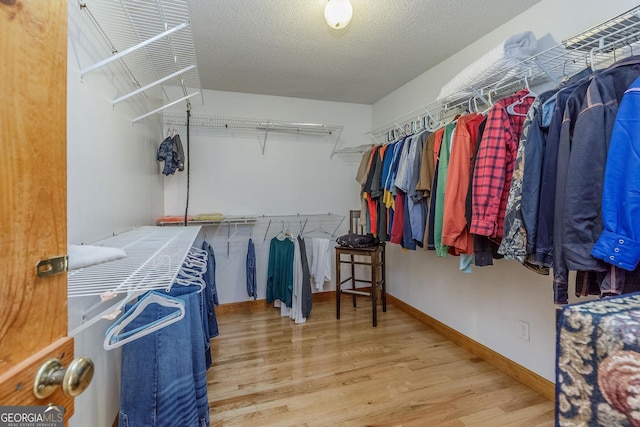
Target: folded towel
209, 217
81, 256
508, 54
172, 219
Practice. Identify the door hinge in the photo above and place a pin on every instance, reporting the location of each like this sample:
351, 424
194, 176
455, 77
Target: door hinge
51, 266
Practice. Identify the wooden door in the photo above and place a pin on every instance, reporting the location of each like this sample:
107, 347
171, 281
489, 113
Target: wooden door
33, 112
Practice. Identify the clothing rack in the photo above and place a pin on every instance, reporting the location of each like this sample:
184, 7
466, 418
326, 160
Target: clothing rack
321, 224
154, 257
262, 126
596, 46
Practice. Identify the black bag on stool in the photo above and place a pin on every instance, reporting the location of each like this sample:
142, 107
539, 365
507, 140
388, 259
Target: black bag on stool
357, 240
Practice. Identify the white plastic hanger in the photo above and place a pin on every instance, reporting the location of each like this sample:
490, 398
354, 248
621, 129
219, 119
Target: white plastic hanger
232, 235
429, 122
489, 105
511, 108
190, 277
114, 337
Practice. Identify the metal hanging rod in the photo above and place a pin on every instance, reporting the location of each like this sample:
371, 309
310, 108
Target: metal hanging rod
132, 49
259, 125
157, 110
226, 122
150, 85
114, 50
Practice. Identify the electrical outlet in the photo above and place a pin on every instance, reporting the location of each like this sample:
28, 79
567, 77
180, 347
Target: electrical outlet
523, 330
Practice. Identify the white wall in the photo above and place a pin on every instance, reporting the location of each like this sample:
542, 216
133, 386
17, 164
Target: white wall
113, 185
230, 175
487, 304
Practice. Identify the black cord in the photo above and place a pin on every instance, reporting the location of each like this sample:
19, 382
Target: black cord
186, 209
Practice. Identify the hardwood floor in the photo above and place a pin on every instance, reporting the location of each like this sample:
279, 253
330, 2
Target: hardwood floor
268, 371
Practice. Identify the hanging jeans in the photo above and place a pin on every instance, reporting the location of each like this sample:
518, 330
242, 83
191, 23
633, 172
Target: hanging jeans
163, 376
211, 295
196, 306
251, 271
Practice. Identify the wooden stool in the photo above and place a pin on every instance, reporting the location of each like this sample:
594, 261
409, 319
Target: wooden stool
376, 262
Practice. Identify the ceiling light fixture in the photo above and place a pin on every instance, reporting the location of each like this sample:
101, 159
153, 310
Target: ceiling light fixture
338, 13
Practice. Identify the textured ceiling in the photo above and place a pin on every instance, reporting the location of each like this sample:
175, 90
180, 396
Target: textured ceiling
284, 47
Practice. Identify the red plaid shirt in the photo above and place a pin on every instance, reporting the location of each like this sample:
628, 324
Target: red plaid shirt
495, 164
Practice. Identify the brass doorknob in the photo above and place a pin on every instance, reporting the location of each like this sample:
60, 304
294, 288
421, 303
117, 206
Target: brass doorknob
74, 380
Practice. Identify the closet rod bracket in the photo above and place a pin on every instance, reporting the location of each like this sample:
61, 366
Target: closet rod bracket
49, 267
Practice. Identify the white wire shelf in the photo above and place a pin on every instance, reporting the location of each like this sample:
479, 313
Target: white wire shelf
230, 220
324, 223
154, 256
596, 47
262, 126
355, 150
263, 227
125, 24
224, 122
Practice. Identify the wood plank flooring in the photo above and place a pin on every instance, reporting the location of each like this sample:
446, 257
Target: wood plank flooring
268, 371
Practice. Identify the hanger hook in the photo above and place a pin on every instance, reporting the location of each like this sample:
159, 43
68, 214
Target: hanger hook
564, 68
591, 59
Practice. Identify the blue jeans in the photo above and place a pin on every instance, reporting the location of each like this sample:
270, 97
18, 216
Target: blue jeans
251, 271
211, 296
163, 378
197, 316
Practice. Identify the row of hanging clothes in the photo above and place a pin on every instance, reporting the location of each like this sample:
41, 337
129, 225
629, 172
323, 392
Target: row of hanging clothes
166, 351
291, 277
523, 180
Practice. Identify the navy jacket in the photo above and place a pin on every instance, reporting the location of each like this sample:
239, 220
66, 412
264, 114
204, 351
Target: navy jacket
585, 178
619, 243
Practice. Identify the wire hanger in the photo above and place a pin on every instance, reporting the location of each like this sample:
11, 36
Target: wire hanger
232, 235
114, 337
